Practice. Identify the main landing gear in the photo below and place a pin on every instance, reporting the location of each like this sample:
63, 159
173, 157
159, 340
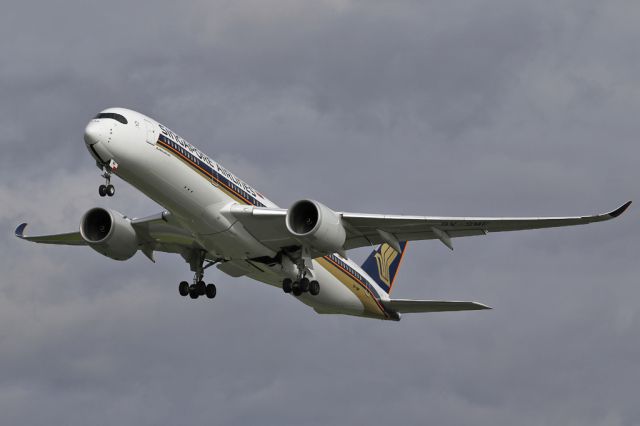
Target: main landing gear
301, 286
107, 188
198, 288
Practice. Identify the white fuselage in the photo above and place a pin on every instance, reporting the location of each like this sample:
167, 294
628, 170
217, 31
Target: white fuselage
199, 193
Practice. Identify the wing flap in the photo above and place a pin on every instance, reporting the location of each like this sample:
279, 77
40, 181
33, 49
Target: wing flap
163, 233
407, 306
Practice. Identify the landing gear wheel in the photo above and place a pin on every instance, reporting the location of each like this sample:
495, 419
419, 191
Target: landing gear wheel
201, 288
102, 190
286, 285
210, 291
110, 190
295, 288
314, 288
304, 285
183, 288
193, 291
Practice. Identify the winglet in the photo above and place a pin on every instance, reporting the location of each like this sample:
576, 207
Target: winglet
20, 230
482, 306
617, 212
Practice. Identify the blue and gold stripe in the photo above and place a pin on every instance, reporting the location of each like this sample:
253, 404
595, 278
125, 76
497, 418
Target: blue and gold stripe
209, 172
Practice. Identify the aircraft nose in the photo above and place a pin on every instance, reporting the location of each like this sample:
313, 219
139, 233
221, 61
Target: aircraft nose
94, 133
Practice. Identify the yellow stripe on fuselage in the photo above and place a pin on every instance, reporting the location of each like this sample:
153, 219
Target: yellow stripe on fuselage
371, 305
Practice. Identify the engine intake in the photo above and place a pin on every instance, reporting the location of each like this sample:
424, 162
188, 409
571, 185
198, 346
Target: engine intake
317, 225
109, 233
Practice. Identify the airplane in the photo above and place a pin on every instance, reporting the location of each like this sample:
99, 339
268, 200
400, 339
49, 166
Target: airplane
211, 217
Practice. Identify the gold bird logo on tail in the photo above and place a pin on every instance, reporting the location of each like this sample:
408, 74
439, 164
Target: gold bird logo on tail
384, 259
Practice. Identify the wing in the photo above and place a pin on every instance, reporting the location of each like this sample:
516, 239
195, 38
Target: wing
363, 230
68, 239
368, 229
158, 232
406, 306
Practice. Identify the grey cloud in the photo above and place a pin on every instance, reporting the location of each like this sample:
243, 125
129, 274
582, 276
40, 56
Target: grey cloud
481, 108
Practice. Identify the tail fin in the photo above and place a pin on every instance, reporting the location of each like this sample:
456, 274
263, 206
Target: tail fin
383, 264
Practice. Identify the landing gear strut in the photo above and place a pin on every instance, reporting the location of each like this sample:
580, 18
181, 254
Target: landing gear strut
199, 287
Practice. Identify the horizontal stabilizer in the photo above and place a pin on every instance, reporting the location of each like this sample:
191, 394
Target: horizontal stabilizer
406, 306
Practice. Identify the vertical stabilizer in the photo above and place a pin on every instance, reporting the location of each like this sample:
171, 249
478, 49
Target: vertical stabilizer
383, 264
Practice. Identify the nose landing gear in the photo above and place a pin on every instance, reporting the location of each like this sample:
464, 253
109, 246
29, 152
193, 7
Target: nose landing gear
107, 189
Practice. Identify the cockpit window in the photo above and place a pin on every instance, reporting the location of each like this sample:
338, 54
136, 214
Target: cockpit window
113, 116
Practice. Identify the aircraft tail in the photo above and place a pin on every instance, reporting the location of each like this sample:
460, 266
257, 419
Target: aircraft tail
383, 264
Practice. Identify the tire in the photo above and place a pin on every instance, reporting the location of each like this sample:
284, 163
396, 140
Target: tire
210, 291
304, 285
201, 288
111, 190
286, 285
295, 288
102, 190
193, 291
314, 288
183, 288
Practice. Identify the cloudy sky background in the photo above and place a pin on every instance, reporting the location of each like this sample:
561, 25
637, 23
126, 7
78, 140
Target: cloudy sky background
482, 107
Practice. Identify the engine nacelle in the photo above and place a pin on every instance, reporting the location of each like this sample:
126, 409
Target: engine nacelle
317, 225
109, 233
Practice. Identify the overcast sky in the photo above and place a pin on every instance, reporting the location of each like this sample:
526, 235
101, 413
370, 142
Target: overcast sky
480, 107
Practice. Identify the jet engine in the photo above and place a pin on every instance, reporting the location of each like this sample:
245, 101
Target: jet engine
109, 233
316, 225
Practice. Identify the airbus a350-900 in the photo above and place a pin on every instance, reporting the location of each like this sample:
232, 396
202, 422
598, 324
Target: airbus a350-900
212, 217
